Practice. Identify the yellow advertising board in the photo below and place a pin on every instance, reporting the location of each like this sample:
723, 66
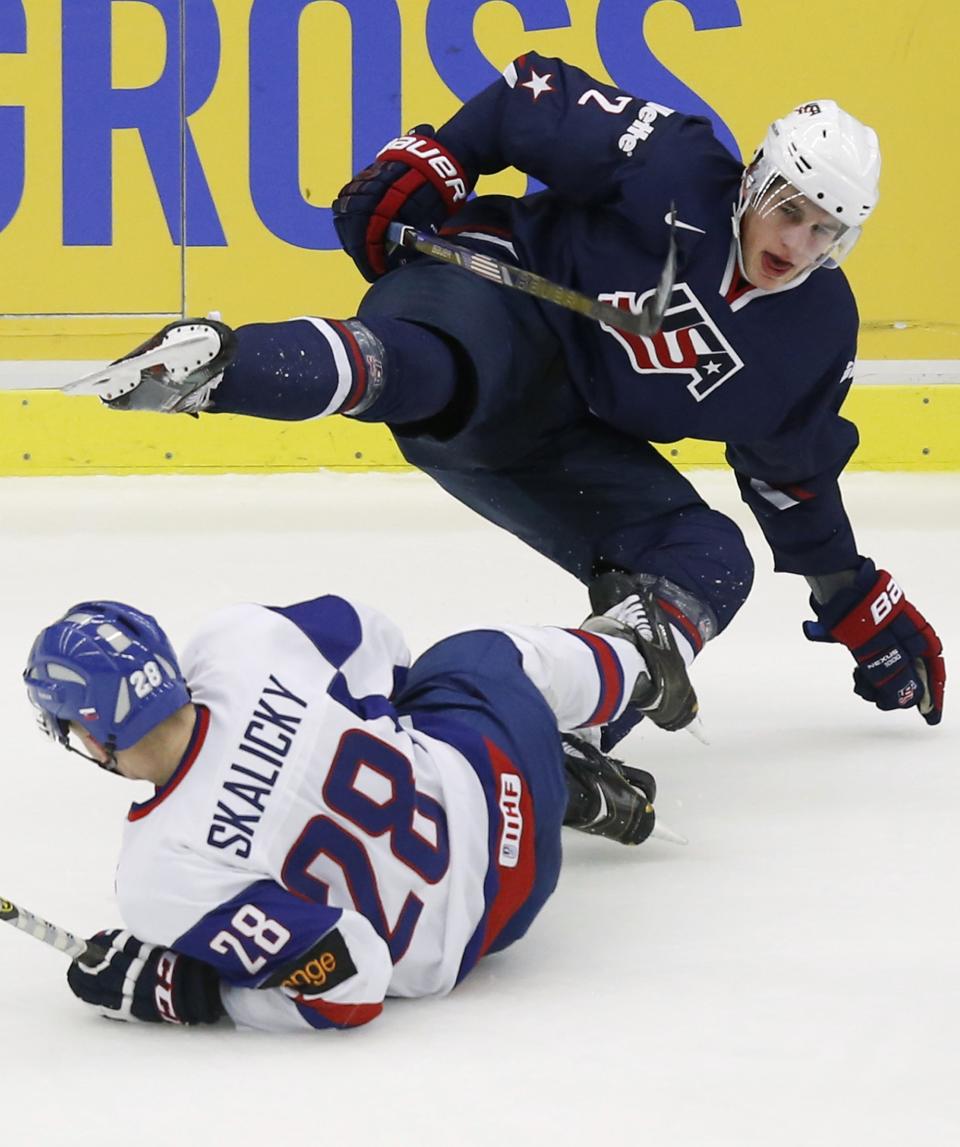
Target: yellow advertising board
162, 157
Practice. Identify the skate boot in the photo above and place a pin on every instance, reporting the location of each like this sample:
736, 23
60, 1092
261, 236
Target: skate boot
605, 797
627, 607
175, 372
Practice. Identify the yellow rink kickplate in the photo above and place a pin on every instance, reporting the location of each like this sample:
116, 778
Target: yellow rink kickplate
47, 433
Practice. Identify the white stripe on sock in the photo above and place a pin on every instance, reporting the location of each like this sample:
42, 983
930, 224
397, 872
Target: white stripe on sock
341, 360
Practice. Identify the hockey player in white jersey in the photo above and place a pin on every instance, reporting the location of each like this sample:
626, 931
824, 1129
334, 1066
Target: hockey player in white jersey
332, 824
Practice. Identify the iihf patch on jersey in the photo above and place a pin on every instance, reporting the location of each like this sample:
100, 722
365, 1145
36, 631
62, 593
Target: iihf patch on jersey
688, 343
511, 830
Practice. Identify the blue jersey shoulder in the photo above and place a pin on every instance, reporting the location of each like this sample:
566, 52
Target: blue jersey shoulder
331, 623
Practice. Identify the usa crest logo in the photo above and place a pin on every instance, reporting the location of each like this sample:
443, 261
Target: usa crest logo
688, 343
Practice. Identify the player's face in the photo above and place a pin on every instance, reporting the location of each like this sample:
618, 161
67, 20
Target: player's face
783, 236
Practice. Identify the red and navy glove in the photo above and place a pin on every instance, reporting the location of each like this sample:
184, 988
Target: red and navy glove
137, 981
413, 180
899, 656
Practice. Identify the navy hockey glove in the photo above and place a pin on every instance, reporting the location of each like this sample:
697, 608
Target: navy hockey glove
140, 981
413, 180
899, 656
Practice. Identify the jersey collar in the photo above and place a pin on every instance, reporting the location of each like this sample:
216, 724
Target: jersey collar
201, 724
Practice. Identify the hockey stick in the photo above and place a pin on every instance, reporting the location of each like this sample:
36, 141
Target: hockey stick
646, 322
51, 934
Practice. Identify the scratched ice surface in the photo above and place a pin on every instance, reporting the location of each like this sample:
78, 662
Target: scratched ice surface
789, 978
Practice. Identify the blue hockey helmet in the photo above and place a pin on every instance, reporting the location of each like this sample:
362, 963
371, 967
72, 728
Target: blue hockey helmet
109, 668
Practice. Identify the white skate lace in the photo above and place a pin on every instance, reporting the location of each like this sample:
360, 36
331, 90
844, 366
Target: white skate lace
631, 611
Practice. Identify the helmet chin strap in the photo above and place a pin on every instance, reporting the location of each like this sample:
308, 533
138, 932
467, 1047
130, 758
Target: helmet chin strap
738, 210
109, 765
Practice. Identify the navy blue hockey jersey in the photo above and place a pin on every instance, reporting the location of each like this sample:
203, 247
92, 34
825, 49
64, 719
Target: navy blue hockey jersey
765, 372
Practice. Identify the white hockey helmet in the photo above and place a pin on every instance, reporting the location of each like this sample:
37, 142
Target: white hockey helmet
830, 157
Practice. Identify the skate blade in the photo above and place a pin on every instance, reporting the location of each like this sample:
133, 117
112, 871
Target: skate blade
664, 832
696, 729
120, 378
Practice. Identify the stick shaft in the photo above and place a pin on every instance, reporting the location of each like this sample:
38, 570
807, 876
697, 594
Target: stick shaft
48, 933
646, 322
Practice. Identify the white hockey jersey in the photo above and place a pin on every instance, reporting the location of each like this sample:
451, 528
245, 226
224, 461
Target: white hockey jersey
321, 850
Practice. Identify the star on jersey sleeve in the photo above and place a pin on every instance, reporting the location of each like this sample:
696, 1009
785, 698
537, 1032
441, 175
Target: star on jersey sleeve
551, 120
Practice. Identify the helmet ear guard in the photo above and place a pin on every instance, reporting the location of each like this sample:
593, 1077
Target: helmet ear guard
107, 668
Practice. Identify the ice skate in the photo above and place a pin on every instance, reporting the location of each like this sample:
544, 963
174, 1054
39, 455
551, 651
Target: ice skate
664, 692
175, 372
605, 796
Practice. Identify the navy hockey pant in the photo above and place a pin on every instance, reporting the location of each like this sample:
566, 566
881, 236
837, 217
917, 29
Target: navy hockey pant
476, 394
470, 690
520, 447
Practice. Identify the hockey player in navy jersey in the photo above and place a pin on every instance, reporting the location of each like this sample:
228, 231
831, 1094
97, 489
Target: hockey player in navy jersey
541, 419
331, 824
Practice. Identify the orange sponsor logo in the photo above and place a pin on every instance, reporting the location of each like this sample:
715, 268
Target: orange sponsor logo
313, 974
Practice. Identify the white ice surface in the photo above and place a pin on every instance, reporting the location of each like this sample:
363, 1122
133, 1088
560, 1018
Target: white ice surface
790, 978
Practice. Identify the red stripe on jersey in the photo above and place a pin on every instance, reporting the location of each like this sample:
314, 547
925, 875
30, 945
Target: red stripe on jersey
611, 678
359, 388
341, 1015
739, 285
799, 493
515, 883
683, 623
199, 735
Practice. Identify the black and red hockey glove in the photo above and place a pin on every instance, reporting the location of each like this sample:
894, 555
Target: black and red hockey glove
137, 981
899, 656
413, 180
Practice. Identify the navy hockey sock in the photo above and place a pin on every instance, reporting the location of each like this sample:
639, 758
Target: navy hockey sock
304, 368
312, 367
614, 733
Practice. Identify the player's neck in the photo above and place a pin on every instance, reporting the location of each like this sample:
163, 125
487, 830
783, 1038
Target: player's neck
156, 756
